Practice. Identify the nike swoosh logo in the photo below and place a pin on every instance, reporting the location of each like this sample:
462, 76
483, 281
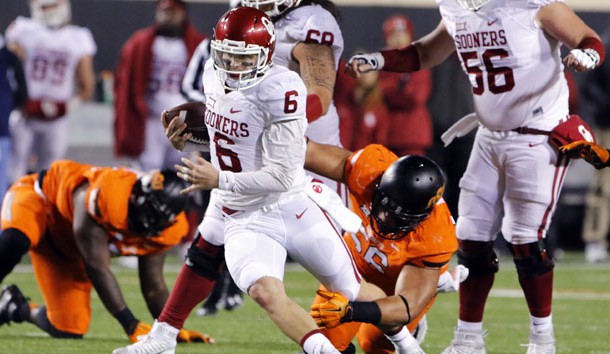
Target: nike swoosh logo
233, 110
489, 23
532, 144
301, 214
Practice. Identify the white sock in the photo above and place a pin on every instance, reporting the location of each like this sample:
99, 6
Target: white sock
317, 343
542, 324
470, 326
403, 340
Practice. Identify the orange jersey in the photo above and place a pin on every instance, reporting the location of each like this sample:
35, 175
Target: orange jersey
380, 261
106, 201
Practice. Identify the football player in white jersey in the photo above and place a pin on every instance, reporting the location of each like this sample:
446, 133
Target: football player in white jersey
256, 121
309, 41
510, 50
58, 63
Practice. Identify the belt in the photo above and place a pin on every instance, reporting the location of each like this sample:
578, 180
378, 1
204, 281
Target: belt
526, 130
228, 211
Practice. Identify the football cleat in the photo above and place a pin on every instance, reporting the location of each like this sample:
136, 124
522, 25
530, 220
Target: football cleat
541, 343
207, 311
596, 252
11, 299
233, 301
466, 342
160, 340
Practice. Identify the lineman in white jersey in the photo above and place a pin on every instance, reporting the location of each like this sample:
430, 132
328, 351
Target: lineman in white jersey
256, 122
58, 63
510, 50
309, 42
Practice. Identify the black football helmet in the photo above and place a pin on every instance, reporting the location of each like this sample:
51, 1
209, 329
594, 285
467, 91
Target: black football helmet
405, 195
155, 202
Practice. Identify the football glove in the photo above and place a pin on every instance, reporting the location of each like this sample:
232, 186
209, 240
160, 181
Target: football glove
141, 329
588, 58
374, 61
188, 336
333, 312
594, 154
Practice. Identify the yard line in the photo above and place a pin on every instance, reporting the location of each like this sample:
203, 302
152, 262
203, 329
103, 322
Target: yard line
557, 294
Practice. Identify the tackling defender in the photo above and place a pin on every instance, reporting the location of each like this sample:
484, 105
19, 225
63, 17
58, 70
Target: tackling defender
405, 244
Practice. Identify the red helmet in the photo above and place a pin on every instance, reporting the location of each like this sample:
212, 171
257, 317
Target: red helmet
242, 47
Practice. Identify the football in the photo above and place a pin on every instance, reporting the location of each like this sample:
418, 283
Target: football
193, 114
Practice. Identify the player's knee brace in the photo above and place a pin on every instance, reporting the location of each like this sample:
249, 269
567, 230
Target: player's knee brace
532, 259
42, 321
204, 258
479, 257
13, 245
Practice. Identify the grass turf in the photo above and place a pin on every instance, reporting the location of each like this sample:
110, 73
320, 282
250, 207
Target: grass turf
580, 312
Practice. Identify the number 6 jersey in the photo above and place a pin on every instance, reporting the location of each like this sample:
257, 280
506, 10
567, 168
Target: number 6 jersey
514, 67
245, 138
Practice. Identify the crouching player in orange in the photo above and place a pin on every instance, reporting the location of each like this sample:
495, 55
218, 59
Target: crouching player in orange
73, 218
404, 245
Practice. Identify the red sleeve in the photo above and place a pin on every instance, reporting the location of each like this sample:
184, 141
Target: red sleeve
403, 60
131, 79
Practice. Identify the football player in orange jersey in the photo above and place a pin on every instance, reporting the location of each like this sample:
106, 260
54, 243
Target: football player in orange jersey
406, 241
72, 218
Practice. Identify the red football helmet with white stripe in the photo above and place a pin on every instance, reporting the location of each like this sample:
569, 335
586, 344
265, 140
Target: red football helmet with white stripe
242, 47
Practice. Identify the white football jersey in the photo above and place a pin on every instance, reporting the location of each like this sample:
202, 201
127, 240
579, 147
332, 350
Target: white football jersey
314, 24
236, 121
169, 63
51, 56
514, 68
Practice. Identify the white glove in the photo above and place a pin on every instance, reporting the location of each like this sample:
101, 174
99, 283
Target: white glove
375, 60
589, 58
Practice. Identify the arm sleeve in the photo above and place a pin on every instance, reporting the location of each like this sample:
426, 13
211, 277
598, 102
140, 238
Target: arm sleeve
283, 156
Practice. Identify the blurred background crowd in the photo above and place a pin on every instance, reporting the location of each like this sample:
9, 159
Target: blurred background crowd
406, 112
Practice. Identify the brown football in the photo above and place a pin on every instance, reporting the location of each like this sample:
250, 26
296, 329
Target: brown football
193, 114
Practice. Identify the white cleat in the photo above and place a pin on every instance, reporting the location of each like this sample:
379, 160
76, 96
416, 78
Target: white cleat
160, 340
449, 281
596, 252
465, 342
541, 343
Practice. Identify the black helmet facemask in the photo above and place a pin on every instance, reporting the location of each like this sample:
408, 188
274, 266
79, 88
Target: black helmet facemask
405, 196
155, 202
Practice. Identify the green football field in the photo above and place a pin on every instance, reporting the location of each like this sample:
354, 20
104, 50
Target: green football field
581, 316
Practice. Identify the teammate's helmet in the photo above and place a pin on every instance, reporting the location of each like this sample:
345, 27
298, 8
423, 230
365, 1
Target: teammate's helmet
473, 5
52, 13
271, 7
242, 47
406, 194
155, 201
